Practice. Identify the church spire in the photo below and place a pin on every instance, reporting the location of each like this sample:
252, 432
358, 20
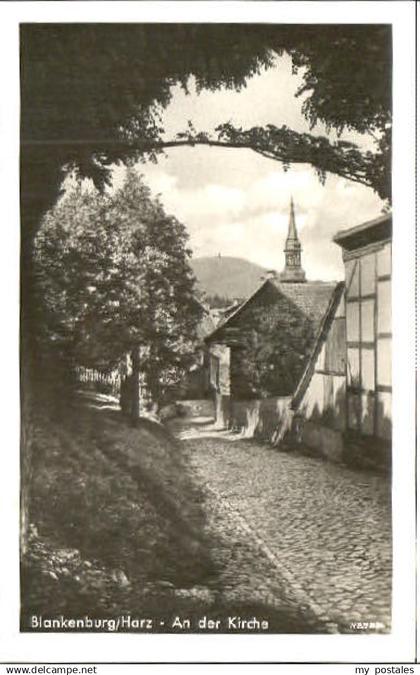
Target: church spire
293, 271
292, 233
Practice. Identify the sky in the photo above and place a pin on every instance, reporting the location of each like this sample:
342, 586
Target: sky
236, 202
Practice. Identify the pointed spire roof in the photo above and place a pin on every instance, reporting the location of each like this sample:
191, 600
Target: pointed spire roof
293, 269
292, 233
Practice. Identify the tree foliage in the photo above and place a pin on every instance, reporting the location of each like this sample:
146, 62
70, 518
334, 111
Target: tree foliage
87, 89
274, 349
92, 94
112, 274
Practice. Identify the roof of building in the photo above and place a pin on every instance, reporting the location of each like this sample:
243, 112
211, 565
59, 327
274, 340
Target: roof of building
366, 233
311, 298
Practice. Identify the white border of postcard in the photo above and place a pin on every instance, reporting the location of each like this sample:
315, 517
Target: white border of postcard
400, 644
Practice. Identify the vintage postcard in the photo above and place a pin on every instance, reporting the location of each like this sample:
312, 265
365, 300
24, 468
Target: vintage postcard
216, 279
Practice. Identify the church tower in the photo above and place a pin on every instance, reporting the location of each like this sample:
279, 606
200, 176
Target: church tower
293, 271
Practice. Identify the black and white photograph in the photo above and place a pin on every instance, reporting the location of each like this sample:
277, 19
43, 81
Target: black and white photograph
206, 327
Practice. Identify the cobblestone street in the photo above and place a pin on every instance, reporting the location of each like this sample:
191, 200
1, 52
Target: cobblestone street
301, 533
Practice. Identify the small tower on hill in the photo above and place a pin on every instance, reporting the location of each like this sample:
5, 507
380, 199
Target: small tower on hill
293, 271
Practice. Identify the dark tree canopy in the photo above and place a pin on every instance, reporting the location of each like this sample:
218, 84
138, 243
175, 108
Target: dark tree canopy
88, 88
91, 94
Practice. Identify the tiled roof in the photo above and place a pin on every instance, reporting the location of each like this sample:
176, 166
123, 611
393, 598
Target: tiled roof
311, 297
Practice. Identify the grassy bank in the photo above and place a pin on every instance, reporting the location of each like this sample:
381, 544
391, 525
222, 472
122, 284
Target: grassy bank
116, 519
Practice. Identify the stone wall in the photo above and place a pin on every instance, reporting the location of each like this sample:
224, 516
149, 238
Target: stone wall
261, 418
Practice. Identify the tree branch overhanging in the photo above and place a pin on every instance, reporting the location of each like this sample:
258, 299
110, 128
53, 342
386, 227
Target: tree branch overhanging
284, 157
280, 144
290, 147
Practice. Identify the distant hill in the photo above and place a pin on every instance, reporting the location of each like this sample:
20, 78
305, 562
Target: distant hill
227, 276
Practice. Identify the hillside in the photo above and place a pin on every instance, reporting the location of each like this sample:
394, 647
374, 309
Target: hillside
227, 276
122, 519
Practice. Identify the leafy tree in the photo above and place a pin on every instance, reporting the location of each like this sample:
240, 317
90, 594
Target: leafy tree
272, 355
114, 277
